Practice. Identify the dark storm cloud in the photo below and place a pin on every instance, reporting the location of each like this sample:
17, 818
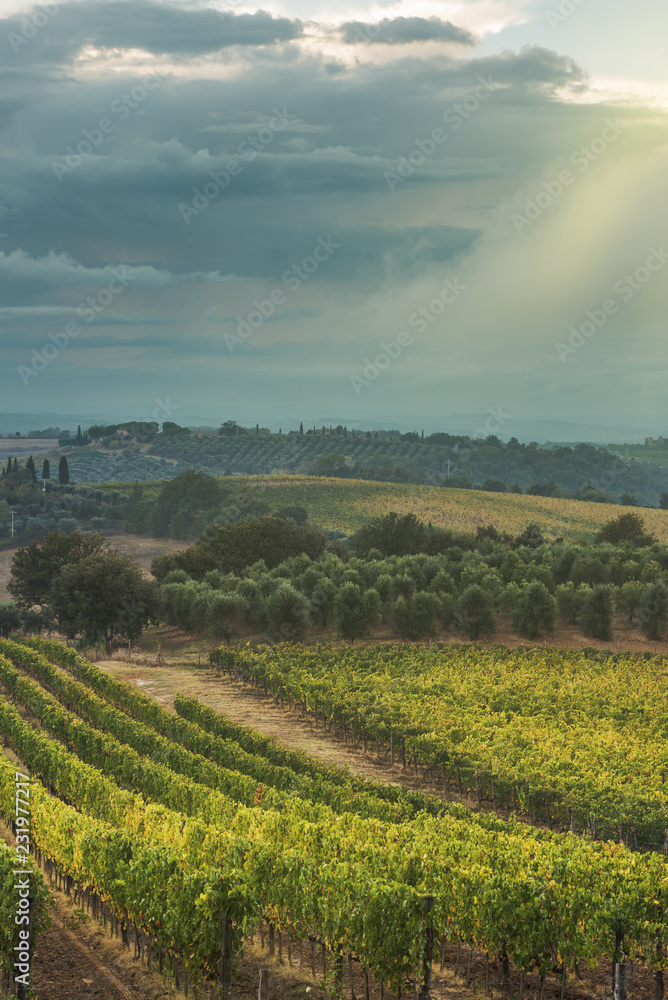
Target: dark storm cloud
400, 30
532, 66
178, 30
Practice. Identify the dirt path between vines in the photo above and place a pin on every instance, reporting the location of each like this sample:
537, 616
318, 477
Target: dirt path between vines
239, 703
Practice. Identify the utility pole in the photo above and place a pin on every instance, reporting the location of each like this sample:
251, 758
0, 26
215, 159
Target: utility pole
12, 524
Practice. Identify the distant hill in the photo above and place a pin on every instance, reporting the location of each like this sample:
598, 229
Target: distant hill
581, 472
347, 504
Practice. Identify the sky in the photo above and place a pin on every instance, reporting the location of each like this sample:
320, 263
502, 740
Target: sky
382, 212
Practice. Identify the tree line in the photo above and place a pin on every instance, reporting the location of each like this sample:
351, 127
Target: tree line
286, 581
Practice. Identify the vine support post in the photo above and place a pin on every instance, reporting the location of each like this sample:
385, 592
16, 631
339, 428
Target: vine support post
226, 959
620, 981
338, 973
428, 949
263, 988
658, 975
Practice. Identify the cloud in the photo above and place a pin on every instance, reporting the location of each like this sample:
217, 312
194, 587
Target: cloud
181, 30
402, 30
62, 270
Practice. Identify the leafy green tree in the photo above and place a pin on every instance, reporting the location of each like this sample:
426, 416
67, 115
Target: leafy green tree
322, 600
372, 607
351, 611
35, 566
508, 597
63, 472
570, 601
181, 502
287, 614
394, 535
416, 618
653, 611
442, 583
531, 537
625, 528
589, 568
103, 596
10, 618
596, 617
544, 490
227, 614
232, 547
475, 612
628, 500
296, 513
535, 611
628, 598
331, 465
663, 500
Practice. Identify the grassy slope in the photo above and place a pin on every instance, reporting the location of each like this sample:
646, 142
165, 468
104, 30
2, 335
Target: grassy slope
349, 503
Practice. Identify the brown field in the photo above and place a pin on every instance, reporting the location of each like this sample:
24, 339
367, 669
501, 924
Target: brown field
22, 447
143, 550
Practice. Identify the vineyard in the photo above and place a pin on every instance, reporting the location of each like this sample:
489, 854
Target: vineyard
575, 739
193, 834
348, 504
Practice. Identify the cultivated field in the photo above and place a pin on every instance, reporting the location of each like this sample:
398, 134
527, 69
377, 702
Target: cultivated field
350, 503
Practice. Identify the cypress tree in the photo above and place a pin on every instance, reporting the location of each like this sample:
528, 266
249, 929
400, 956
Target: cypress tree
79, 436
46, 469
301, 428
30, 467
63, 472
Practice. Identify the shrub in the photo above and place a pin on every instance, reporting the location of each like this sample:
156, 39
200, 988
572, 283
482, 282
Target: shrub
475, 615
